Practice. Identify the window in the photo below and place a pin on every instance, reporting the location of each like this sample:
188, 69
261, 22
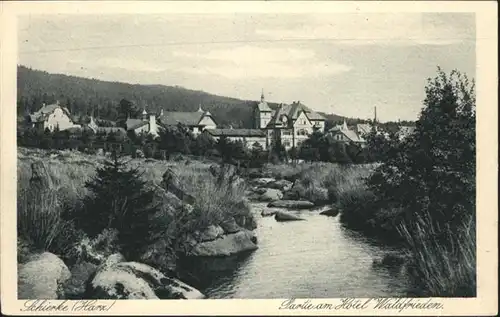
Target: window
302, 132
286, 143
287, 132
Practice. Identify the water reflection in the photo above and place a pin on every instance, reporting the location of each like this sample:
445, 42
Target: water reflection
313, 258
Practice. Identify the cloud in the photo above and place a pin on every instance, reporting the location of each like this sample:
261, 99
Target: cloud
254, 54
386, 29
258, 62
274, 70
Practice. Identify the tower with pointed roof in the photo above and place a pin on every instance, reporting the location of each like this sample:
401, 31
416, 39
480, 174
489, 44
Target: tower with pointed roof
263, 113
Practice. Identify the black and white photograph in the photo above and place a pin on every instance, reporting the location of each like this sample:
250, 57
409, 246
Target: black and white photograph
246, 156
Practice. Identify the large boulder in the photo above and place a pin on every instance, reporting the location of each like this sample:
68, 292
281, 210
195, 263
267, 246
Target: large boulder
268, 212
42, 277
133, 280
332, 212
230, 226
281, 184
291, 204
211, 233
263, 181
285, 216
260, 190
271, 195
230, 244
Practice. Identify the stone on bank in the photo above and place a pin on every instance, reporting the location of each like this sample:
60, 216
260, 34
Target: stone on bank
291, 204
229, 244
285, 216
42, 277
133, 280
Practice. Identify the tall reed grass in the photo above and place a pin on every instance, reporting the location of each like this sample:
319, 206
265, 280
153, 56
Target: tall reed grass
215, 202
38, 217
444, 260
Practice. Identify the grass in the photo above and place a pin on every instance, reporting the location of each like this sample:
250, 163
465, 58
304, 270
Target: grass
442, 269
39, 217
322, 182
40, 213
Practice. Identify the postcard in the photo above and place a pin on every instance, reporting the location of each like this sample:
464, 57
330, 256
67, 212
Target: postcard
249, 158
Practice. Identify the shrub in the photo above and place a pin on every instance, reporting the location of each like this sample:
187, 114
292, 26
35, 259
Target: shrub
121, 201
431, 176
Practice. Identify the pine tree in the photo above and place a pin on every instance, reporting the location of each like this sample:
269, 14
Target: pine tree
121, 201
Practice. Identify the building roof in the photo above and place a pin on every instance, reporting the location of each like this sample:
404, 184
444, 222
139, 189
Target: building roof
237, 132
108, 130
186, 118
42, 114
351, 135
138, 125
132, 123
292, 112
364, 128
264, 107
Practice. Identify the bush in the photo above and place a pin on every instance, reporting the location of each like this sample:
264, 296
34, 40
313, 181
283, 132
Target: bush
121, 201
431, 176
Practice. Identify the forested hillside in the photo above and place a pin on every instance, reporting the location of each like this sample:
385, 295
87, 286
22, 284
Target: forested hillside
86, 96
83, 96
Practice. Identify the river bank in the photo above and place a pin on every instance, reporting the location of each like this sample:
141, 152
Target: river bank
317, 257
200, 211
228, 220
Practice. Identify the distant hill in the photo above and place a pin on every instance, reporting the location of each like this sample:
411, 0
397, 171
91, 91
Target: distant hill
84, 96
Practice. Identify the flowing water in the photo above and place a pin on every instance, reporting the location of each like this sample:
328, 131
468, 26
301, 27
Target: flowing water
300, 259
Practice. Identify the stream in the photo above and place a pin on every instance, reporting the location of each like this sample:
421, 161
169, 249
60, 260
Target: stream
300, 259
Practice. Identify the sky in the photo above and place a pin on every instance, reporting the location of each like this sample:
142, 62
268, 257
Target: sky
342, 63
